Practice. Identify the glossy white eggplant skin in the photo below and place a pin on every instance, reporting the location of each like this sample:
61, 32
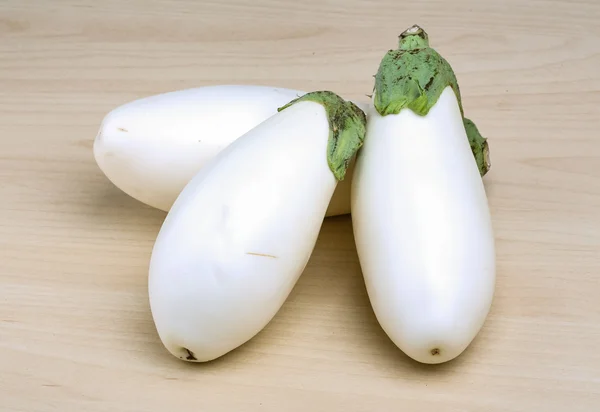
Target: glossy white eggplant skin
150, 148
240, 234
423, 230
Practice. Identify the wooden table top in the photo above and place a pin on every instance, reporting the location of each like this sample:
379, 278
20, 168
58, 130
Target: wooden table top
75, 328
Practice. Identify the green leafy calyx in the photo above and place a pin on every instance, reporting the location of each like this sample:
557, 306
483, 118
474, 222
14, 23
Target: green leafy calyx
479, 146
412, 76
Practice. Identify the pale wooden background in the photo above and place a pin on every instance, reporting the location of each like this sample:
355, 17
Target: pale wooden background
75, 327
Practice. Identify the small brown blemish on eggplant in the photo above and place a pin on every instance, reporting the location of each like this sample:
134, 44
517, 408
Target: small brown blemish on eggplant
190, 355
261, 254
435, 352
122, 129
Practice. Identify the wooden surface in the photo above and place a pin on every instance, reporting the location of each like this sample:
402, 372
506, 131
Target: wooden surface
75, 327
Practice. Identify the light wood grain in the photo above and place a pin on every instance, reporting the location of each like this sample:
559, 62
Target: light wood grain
75, 327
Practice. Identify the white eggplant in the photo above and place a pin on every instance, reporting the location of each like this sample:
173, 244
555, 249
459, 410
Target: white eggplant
242, 230
419, 209
150, 148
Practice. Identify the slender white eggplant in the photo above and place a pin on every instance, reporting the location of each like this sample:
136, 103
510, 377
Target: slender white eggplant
420, 214
151, 147
242, 230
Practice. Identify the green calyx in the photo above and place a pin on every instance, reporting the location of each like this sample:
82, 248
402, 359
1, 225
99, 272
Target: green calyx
413, 77
479, 146
347, 128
